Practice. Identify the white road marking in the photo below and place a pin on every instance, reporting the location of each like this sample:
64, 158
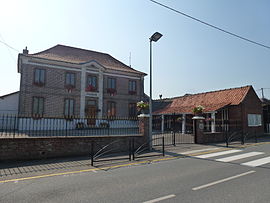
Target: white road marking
218, 153
199, 150
160, 199
222, 180
241, 156
257, 162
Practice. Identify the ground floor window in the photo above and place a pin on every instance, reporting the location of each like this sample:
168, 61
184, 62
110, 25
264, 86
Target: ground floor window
69, 107
254, 119
132, 109
111, 109
38, 106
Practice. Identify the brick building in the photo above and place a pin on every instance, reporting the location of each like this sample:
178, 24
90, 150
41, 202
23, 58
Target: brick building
225, 110
64, 81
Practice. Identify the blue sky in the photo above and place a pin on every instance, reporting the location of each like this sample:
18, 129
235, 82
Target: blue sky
189, 58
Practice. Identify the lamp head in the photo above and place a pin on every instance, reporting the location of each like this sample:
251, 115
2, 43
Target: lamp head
156, 36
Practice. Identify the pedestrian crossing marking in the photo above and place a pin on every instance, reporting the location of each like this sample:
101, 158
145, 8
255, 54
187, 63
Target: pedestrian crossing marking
218, 154
257, 162
240, 156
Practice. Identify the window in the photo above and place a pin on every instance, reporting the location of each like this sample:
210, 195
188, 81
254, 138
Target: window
112, 83
132, 110
132, 87
69, 107
91, 83
111, 109
70, 80
254, 120
39, 77
38, 106
111, 86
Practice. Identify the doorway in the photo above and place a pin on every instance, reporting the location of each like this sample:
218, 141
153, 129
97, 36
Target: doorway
91, 112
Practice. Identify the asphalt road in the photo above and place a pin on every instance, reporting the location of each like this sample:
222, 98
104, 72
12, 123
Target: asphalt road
187, 179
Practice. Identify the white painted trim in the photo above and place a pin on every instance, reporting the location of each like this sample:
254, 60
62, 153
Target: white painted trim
54, 66
122, 76
79, 70
82, 100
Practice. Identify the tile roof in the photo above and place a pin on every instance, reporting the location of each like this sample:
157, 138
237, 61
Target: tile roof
212, 101
81, 56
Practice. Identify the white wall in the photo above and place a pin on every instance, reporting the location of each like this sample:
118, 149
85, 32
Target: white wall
9, 104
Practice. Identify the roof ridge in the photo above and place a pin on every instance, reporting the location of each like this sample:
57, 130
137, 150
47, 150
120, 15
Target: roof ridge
62, 45
177, 97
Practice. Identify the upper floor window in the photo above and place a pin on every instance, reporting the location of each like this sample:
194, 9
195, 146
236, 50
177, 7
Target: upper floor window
39, 77
111, 86
91, 85
132, 109
132, 89
69, 107
111, 109
38, 106
70, 80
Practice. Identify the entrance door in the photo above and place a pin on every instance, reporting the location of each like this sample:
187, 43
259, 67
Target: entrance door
91, 112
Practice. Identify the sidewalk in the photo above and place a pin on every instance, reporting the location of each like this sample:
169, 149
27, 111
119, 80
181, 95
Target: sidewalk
21, 169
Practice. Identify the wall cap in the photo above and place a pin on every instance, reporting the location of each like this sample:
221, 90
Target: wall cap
143, 116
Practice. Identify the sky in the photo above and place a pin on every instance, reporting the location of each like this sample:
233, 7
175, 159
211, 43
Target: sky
189, 58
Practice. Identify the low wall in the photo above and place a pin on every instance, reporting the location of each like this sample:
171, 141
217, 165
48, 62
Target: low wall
212, 138
38, 148
63, 124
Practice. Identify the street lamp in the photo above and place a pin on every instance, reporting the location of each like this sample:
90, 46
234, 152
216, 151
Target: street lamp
154, 38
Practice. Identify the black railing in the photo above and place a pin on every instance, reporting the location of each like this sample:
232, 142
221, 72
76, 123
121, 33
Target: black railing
33, 126
135, 150
147, 147
108, 150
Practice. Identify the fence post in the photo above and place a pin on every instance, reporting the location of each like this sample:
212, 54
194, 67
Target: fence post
132, 149
92, 153
14, 127
129, 148
163, 146
256, 138
173, 129
227, 139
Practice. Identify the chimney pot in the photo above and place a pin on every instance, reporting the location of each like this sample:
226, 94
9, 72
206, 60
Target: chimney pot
25, 51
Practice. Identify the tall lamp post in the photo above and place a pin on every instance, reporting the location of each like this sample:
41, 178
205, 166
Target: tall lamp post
154, 38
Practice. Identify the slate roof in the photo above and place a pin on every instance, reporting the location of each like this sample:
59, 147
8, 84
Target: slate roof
80, 56
212, 101
7, 95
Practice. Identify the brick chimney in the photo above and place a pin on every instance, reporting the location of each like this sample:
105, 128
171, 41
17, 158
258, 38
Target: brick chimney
25, 51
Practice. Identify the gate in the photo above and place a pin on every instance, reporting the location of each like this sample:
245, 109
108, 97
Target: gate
173, 129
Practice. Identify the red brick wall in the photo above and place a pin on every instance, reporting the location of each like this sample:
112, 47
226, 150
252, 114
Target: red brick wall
251, 105
38, 148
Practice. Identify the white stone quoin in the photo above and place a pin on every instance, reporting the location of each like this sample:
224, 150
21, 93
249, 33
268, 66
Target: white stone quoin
213, 122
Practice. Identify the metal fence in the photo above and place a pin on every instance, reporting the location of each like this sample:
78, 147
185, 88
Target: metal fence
13, 126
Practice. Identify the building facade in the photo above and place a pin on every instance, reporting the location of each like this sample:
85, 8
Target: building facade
235, 109
68, 81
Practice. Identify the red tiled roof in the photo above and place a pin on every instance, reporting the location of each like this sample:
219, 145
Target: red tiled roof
80, 56
212, 101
